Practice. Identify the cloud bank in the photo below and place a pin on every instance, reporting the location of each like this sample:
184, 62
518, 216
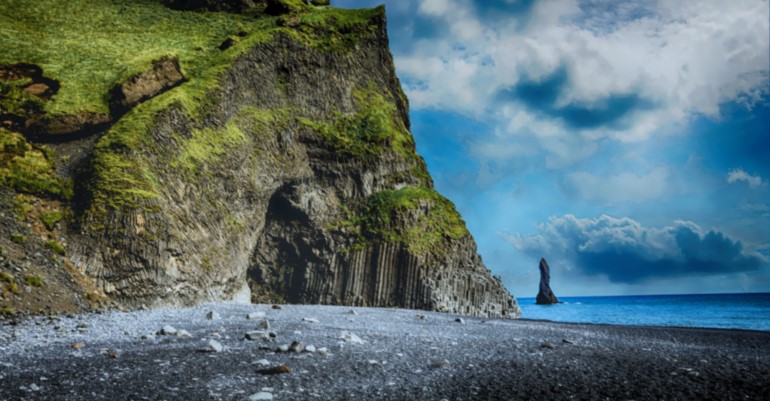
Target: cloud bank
626, 252
564, 74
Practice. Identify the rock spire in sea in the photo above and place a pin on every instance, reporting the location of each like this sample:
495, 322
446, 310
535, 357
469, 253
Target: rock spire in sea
545, 295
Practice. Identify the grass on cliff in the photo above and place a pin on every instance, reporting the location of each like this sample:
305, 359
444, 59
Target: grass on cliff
91, 45
374, 126
30, 169
420, 218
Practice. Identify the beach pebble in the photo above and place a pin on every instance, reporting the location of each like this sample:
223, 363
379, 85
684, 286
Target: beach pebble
262, 395
310, 348
263, 325
255, 315
211, 315
167, 331
310, 320
183, 334
547, 345
439, 363
213, 346
351, 337
460, 320
263, 362
296, 346
258, 335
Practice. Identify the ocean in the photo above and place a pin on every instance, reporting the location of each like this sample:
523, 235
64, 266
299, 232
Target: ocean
727, 311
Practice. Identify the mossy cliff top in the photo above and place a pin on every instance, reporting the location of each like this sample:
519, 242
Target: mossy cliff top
89, 46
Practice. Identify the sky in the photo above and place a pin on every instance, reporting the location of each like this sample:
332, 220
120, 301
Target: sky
628, 143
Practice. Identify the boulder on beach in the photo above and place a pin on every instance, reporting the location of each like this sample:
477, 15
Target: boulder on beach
545, 295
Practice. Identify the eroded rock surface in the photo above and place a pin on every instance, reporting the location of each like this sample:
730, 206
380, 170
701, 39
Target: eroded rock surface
162, 76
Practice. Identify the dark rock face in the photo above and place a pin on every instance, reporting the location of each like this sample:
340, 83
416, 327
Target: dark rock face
285, 174
545, 295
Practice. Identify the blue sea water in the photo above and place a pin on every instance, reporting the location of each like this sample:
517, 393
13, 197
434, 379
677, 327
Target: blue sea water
729, 311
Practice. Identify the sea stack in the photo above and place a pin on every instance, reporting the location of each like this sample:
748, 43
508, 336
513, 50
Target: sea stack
545, 295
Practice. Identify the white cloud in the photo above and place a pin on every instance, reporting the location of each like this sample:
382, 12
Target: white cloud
736, 175
684, 59
622, 187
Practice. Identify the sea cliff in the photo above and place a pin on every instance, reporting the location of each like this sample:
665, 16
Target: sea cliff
257, 150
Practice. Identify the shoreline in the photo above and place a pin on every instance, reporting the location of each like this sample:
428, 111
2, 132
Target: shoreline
402, 354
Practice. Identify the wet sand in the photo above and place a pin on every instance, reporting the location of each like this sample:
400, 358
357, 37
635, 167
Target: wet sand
404, 355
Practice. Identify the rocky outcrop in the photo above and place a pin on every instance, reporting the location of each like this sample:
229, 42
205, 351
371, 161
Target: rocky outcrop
545, 296
290, 177
163, 75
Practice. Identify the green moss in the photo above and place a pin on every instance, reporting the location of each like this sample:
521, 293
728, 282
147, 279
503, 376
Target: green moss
30, 169
18, 239
89, 45
33, 280
207, 146
374, 127
50, 218
56, 247
14, 101
10, 282
6, 310
420, 218
334, 29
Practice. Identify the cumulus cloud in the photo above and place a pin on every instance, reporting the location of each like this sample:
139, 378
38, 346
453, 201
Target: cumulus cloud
623, 187
625, 251
586, 69
736, 175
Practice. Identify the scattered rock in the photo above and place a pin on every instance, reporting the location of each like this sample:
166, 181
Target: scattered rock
439, 363
78, 346
276, 306
310, 348
263, 325
163, 75
565, 341
275, 370
422, 317
263, 362
258, 335
211, 315
183, 334
460, 320
283, 348
167, 331
213, 346
262, 395
350, 337
310, 320
255, 315
352, 312
322, 351
296, 346
547, 345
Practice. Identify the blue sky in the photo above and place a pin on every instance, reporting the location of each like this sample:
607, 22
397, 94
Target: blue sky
628, 143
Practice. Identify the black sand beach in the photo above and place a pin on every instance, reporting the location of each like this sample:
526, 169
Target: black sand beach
402, 355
